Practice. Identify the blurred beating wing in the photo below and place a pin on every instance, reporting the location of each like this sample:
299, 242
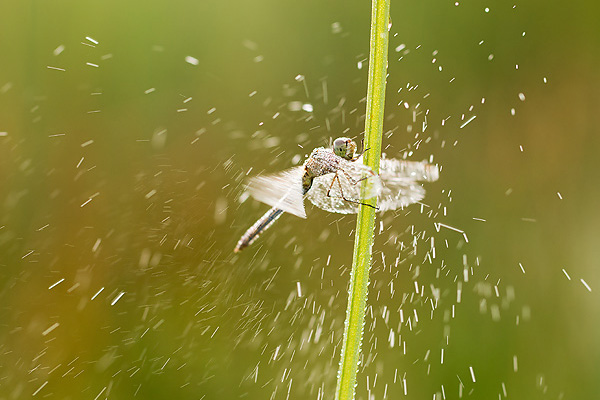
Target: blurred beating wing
344, 188
282, 190
399, 180
414, 170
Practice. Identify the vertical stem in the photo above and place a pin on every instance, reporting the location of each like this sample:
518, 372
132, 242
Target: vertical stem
363, 243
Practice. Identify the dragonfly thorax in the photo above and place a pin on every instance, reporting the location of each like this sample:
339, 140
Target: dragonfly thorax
321, 161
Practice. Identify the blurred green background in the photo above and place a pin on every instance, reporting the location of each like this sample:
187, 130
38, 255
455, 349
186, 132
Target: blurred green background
121, 168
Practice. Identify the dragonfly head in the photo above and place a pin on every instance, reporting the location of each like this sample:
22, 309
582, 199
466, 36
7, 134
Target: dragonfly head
344, 147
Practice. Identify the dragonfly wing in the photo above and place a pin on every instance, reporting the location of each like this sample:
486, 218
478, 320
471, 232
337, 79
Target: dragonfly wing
399, 193
413, 170
282, 190
341, 192
399, 182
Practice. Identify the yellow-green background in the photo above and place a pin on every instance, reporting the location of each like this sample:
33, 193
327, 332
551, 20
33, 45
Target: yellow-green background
197, 322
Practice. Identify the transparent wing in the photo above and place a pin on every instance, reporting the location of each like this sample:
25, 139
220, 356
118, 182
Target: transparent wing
282, 190
399, 193
414, 170
340, 192
399, 182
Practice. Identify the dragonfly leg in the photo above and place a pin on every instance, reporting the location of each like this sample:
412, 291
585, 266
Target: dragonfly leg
360, 154
355, 182
337, 177
362, 144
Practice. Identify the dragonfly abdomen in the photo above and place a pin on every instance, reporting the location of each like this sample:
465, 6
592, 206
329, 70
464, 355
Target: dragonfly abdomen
259, 227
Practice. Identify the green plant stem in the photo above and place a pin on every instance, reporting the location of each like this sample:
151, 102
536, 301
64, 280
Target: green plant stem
363, 243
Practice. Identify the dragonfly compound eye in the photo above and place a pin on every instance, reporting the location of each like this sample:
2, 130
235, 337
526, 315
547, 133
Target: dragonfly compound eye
340, 146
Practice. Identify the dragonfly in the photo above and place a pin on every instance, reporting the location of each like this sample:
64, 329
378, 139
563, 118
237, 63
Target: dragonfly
332, 179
